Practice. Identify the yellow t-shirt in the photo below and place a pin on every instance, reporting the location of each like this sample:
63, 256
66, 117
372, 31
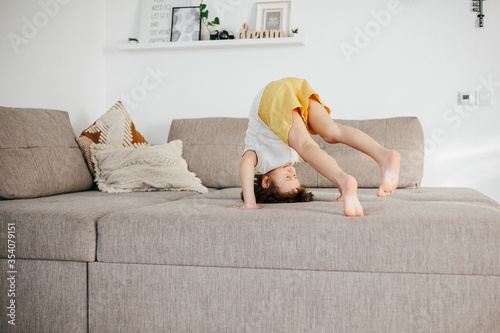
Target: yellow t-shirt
280, 98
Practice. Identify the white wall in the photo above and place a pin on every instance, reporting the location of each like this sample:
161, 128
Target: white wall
415, 64
51, 56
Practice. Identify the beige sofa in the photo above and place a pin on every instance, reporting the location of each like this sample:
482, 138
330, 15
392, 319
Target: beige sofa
421, 260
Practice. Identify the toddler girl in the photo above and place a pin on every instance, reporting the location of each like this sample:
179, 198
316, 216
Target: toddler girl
282, 117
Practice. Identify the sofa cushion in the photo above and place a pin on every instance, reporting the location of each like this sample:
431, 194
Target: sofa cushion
63, 227
39, 155
213, 148
114, 128
164, 298
408, 232
403, 134
155, 168
50, 296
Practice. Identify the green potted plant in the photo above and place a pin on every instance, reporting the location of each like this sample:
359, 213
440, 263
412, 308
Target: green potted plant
210, 25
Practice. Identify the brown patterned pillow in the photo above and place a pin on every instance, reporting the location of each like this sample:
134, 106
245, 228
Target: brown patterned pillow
114, 128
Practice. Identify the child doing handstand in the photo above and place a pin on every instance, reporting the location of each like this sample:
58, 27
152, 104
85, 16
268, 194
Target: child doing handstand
283, 116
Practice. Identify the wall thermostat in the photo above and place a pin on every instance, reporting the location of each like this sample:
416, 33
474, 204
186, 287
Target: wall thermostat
482, 98
467, 98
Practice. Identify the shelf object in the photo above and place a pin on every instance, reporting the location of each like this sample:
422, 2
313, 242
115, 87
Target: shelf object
296, 40
477, 6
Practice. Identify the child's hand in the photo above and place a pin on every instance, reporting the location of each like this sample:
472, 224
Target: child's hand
245, 207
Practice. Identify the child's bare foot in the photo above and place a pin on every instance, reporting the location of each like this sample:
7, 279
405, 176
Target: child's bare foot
348, 189
390, 173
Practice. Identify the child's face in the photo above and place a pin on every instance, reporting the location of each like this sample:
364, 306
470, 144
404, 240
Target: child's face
285, 178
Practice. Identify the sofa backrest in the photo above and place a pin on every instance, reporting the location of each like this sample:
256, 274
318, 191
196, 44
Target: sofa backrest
39, 155
213, 148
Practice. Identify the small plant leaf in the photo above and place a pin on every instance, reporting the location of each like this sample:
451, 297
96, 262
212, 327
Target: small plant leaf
216, 20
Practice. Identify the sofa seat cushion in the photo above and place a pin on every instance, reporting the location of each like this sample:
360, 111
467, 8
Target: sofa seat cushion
39, 155
63, 227
409, 231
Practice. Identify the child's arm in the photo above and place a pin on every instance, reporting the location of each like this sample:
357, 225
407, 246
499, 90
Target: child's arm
247, 174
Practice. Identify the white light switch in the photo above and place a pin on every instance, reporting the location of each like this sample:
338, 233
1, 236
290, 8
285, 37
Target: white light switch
483, 97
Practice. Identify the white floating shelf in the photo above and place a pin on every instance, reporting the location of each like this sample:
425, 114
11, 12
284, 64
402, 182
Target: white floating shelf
297, 40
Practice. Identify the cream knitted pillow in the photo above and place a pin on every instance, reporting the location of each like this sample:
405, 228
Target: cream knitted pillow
142, 169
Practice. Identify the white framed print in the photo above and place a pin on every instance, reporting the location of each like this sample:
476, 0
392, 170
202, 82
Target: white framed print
273, 16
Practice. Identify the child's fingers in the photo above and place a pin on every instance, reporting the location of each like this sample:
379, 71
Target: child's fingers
244, 207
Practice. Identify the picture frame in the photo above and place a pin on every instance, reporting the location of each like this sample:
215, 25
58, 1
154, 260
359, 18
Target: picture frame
186, 24
273, 16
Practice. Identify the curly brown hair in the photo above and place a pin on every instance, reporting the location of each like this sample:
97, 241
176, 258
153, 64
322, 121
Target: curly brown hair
273, 195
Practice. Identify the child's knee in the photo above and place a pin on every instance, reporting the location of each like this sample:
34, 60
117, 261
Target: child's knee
333, 134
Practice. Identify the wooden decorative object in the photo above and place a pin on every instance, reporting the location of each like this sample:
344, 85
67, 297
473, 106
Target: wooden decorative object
245, 34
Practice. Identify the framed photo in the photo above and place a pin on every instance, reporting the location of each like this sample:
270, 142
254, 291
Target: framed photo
186, 24
273, 16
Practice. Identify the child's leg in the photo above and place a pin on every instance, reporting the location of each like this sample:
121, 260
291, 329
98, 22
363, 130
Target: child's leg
300, 140
331, 132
